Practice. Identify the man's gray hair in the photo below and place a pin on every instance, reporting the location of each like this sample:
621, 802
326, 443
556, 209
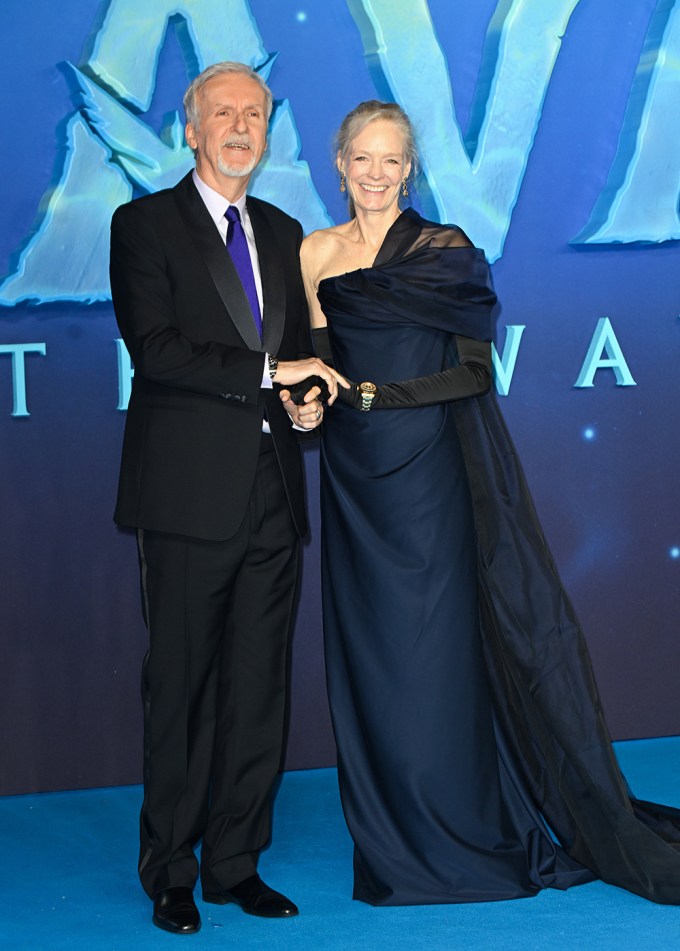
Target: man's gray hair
219, 69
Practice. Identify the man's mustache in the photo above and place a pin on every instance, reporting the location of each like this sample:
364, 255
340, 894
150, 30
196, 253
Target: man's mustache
237, 140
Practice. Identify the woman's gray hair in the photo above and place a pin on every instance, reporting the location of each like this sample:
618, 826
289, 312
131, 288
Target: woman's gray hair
219, 69
366, 112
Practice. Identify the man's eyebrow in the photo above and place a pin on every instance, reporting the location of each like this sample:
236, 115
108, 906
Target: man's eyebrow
230, 105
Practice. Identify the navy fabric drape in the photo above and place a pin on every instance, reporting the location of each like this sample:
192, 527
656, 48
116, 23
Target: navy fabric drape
462, 696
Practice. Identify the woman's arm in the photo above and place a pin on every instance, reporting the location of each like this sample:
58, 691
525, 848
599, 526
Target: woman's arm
311, 253
472, 377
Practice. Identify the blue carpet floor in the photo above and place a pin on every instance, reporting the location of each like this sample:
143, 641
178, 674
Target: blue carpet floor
70, 882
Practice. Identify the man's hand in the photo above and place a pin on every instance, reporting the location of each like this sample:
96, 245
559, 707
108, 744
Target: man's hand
306, 415
298, 391
289, 372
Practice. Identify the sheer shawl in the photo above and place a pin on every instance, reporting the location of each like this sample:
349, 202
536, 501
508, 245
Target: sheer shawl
546, 699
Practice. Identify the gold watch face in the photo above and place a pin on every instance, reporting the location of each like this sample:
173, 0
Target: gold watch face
368, 389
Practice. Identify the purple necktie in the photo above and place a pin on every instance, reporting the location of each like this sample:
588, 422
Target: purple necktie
237, 246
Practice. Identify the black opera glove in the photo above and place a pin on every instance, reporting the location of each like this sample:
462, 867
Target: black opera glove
322, 345
322, 349
298, 391
472, 377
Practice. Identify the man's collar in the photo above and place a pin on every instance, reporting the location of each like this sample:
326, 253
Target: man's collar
216, 203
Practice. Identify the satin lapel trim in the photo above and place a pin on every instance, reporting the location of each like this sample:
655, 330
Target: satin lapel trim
217, 260
273, 279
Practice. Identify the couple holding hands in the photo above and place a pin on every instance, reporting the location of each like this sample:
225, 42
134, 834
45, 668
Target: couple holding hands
465, 713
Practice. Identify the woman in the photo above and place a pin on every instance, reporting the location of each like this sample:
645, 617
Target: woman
461, 692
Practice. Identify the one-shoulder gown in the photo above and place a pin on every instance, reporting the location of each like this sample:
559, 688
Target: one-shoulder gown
473, 759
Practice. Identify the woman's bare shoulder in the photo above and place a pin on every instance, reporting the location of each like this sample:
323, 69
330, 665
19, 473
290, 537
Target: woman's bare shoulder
323, 241
323, 250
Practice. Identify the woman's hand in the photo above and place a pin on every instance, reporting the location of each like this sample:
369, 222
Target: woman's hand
290, 372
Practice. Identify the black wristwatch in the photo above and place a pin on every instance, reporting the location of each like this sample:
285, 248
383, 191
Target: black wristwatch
367, 392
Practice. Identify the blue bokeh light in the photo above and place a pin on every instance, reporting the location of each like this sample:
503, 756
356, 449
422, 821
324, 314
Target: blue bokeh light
301, 16
589, 433
674, 552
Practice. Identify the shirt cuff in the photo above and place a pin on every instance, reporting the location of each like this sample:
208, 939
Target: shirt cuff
267, 383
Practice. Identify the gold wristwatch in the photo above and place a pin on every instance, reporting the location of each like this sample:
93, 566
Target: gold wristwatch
368, 391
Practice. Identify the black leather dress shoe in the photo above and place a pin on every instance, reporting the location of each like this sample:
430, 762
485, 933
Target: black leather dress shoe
174, 909
255, 898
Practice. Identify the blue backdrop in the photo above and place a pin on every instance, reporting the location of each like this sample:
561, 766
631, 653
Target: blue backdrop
549, 130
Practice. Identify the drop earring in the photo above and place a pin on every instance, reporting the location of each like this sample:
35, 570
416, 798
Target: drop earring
404, 189
343, 182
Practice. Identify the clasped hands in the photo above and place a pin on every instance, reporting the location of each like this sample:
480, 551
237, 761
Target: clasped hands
306, 385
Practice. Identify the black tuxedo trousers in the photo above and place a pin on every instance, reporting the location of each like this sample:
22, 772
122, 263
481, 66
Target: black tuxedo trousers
214, 689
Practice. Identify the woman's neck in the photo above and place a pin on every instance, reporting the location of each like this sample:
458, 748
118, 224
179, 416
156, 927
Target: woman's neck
372, 227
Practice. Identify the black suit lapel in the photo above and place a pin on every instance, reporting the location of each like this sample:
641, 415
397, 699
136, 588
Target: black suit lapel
217, 259
273, 279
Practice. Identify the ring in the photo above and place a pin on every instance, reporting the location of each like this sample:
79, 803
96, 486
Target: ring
318, 414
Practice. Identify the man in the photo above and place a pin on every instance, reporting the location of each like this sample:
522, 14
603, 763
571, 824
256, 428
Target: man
211, 479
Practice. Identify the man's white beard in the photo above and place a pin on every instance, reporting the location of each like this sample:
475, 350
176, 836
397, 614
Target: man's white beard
236, 171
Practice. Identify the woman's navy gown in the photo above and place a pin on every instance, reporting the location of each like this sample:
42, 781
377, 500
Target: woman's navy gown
461, 693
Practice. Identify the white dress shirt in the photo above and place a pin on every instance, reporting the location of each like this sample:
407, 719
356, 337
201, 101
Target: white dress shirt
217, 206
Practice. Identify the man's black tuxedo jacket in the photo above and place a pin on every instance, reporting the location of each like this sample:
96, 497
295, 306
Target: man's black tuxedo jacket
194, 420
